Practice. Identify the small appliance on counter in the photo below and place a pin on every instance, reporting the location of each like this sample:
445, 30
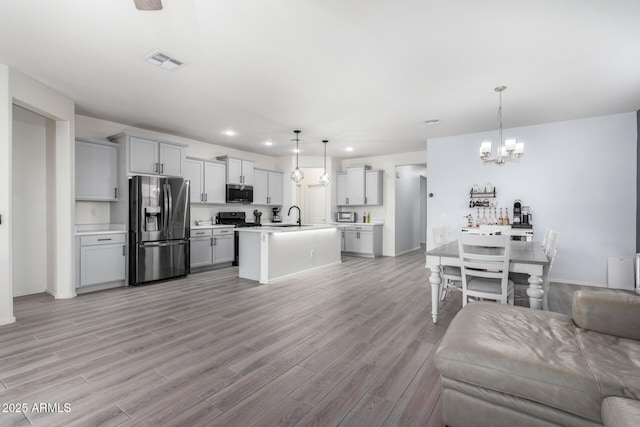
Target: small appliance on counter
521, 215
256, 215
275, 216
346, 217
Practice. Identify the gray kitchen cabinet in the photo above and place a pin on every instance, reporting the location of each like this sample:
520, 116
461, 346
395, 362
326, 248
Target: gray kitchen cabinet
373, 188
96, 170
211, 246
223, 245
201, 248
267, 187
363, 240
207, 180
342, 191
359, 186
239, 172
151, 156
102, 259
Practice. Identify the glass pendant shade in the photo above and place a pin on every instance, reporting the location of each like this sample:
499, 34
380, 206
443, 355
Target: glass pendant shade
324, 178
297, 175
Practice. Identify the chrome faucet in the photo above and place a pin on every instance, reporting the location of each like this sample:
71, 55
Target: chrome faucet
299, 214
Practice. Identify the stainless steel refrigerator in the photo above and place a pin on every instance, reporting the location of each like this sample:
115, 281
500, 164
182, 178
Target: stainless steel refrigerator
158, 228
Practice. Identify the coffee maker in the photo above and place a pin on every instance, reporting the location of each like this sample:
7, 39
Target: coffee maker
275, 217
517, 213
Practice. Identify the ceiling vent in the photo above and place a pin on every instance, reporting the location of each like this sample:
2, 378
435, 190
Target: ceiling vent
162, 60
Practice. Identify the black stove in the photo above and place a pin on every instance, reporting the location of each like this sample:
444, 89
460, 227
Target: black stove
238, 219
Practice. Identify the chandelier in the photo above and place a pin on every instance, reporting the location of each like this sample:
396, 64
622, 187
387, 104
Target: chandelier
297, 174
509, 149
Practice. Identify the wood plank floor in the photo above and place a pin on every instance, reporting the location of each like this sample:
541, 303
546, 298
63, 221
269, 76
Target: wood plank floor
347, 345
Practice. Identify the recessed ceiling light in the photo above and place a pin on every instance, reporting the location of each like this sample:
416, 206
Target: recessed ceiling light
348, 149
432, 121
230, 132
268, 143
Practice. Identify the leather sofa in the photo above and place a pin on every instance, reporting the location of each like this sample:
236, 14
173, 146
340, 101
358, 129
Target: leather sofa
502, 365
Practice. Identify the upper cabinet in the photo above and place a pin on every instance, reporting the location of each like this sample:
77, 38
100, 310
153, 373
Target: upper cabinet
207, 180
267, 187
239, 172
96, 170
151, 156
359, 186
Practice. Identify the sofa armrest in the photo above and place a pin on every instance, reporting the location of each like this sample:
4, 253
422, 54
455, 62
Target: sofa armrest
608, 313
620, 412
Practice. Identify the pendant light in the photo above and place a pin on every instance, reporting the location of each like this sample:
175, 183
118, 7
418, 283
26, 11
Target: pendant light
324, 178
297, 174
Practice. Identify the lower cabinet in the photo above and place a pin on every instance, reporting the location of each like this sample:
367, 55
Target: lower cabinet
102, 260
363, 240
210, 247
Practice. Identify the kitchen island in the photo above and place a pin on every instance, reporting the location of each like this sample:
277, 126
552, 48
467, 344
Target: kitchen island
270, 253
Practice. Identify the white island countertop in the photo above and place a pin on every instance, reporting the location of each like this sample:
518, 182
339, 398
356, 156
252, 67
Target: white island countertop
268, 253
87, 229
289, 228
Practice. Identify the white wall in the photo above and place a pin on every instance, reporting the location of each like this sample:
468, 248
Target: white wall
6, 236
29, 202
408, 199
579, 177
386, 212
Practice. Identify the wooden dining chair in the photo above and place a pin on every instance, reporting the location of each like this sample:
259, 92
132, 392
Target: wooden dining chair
451, 276
484, 264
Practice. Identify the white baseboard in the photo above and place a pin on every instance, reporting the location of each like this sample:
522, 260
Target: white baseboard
7, 320
407, 251
22, 294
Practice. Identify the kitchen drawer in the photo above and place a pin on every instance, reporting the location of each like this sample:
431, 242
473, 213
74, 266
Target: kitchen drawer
360, 228
201, 232
102, 239
223, 231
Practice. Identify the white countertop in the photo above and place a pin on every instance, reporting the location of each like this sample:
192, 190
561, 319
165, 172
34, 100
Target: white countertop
85, 229
281, 229
205, 227
358, 224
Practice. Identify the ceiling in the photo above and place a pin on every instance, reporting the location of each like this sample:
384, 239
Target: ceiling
364, 74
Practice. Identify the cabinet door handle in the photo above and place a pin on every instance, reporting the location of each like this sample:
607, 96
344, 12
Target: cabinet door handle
347, 200
104, 240
200, 232
206, 197
224, 231
215, 241
123, 250
115, 193
156, 167
202, 197
211, 242
161, 167
365, 200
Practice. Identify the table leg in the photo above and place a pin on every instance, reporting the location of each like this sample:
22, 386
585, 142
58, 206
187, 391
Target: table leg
435, 281
535, 292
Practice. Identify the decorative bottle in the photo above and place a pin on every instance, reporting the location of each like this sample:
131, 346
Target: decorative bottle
500, 218
369, 217
506, 216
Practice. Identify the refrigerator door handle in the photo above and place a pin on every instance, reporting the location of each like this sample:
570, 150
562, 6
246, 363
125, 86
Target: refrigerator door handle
165, 216
170, 219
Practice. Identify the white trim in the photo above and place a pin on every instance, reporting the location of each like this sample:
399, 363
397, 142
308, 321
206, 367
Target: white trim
579, 282
407, 251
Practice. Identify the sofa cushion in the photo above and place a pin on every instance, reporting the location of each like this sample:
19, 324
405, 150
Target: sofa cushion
613, 313
614, 362
620, 412
526, 353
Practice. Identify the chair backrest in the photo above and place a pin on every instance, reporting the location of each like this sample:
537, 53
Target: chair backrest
545, 239
441, 235
485, 256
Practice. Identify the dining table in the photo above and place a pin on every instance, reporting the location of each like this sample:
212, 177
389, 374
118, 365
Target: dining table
525, 257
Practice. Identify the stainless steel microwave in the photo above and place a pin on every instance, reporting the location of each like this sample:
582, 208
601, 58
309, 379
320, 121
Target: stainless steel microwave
239, 193
345, 217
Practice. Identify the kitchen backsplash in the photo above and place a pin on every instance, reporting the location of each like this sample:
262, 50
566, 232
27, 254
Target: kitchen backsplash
204, 213
92, 213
